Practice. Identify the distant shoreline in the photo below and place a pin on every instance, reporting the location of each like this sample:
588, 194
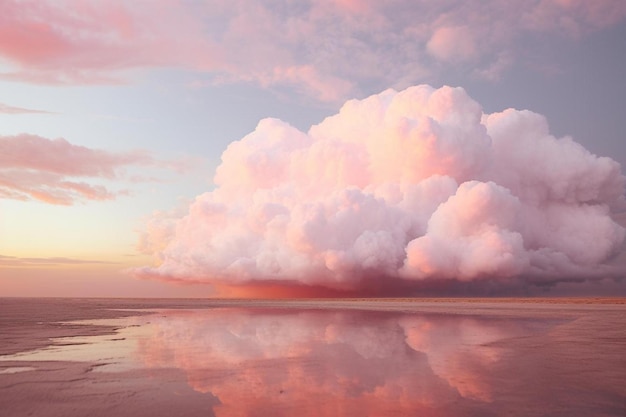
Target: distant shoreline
516, 300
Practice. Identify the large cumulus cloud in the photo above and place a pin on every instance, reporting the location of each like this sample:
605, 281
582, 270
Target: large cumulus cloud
416, 185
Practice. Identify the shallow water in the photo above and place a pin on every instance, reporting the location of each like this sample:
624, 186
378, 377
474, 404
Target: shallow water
276, 361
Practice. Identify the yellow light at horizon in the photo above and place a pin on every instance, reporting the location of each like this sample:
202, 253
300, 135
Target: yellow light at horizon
94, 230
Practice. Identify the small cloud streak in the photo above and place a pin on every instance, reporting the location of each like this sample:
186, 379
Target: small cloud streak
325, 49
6, 109
54, 170
15, 261
401, 190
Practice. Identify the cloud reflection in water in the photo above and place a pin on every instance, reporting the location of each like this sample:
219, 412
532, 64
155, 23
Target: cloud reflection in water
328, 363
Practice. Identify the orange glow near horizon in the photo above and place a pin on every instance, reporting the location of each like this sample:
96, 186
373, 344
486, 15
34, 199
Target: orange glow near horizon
277, 290
89, 280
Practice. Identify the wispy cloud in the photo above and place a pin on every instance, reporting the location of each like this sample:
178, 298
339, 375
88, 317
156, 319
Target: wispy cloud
58, 172
325, 48
6, 109
15, 261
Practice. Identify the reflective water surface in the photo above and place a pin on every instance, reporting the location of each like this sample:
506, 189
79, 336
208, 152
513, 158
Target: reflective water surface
325, 362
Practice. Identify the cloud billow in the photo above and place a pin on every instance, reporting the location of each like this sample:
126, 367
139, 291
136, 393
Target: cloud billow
410, 186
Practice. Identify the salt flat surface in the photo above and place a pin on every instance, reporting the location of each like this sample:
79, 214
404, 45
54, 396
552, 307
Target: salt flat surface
312, 358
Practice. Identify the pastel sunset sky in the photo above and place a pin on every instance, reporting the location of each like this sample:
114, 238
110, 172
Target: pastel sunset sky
187, 148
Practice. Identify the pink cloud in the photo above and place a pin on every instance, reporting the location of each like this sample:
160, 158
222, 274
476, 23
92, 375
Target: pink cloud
6, 109
48, 187
401, 187
572, 17
452, 43
90, 42
324, 48
53, 171
14, 261
323, 88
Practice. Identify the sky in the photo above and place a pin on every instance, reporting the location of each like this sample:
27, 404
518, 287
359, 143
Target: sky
334, 147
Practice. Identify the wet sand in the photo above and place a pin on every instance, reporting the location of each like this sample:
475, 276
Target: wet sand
583, 354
